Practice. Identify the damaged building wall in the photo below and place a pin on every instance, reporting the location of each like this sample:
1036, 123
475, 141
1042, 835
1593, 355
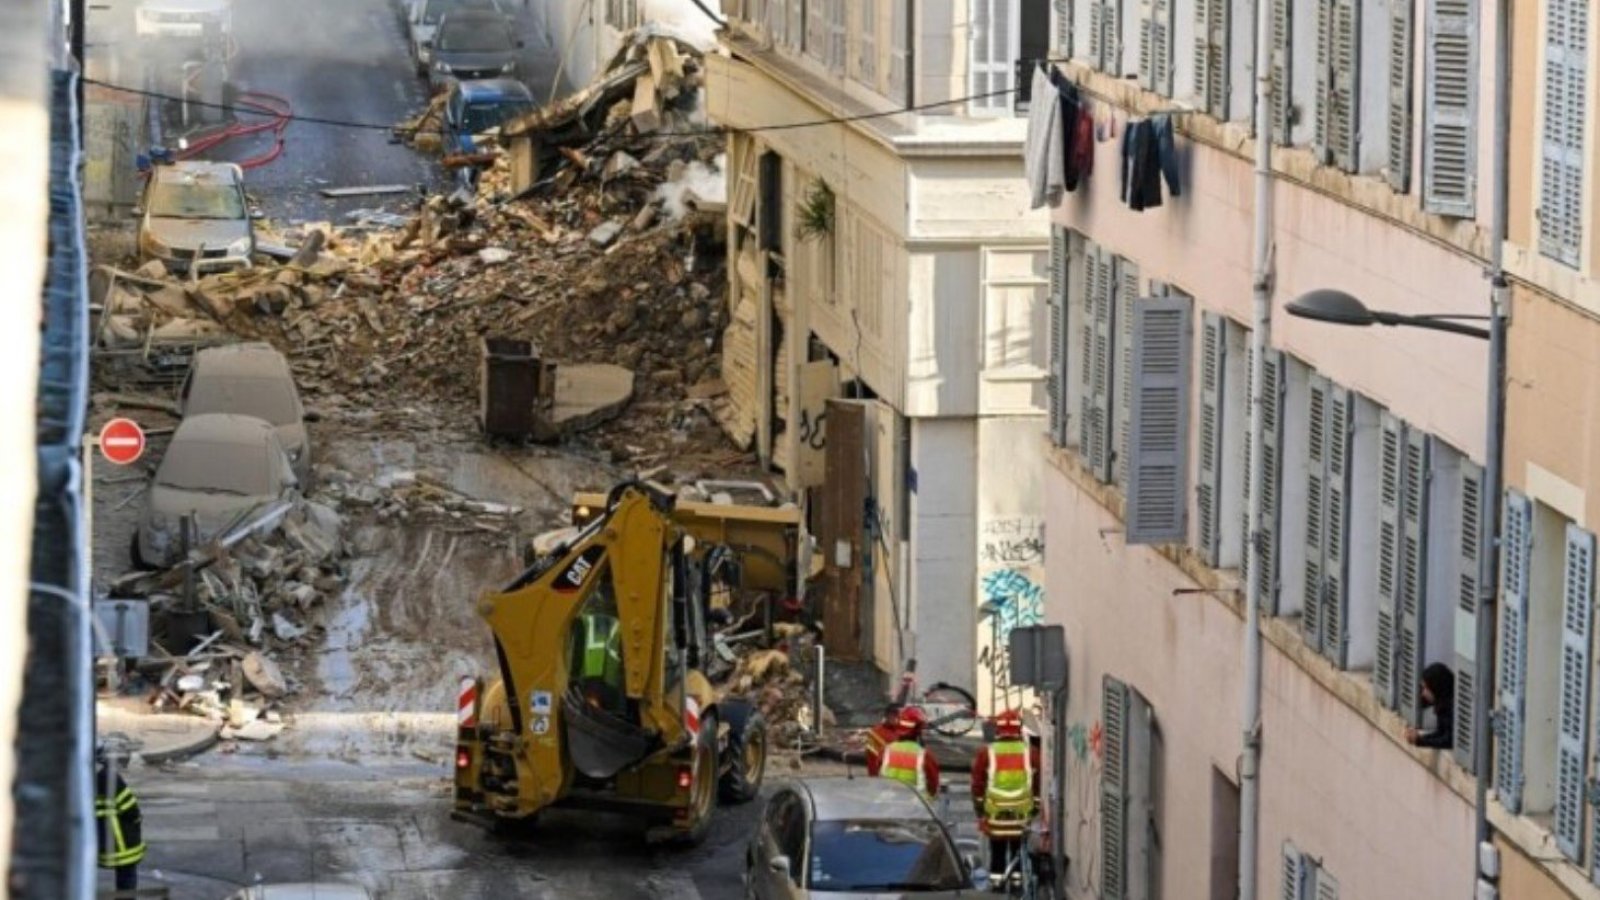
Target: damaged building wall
587, 34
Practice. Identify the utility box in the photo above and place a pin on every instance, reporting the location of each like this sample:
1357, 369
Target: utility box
510, 388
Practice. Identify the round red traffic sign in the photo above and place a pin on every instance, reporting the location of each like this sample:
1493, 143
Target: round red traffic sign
122, 441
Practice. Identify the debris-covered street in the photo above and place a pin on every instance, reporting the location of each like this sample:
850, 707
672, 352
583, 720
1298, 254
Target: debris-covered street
322, 633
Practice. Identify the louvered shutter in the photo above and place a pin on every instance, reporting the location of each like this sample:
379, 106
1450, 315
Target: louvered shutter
797, 24
1294, 873
1127, 291
838, 34
1336, 540
1322, 117
1282, 72
1413, 639
1057, 382
1272, 477
1390, 475
1147, 42
1097, 34
1212, 41
899, 52
1467, 561
1398, 168
1104, 351
1087, 365
867, 42
1346, 95
1327, 886
1158, 464
1450, 103
1311, 616
1516, 544
1063, 28
1113, 789
1572, 726
1155, 45
1566, 108
1208, 492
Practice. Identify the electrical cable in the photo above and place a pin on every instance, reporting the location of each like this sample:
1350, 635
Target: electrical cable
706, 132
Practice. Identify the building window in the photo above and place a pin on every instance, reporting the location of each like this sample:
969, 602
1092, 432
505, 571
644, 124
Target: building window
1565, 107
1304, 878
1399, 120
1223, 424
1015, 313
624, 14
1130, 793
1213, 48
825, 32
899, 51
994, 50
784, 23
1450, 108
864, 28
1155, 46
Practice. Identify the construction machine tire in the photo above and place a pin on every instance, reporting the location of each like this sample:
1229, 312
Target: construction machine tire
703, 799
515, 829
747, 752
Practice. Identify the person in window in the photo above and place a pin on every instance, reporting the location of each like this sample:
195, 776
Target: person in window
1439, 692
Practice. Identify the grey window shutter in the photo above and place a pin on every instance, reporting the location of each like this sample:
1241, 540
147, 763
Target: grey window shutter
1390, 474
1088, 325
1345, 122
1322, 121
1467, 559
1282, 71
1098, 388
1311, 616
1516, 542
1267, 494
1336, 537
1155, 45
1211, 55
1158, 466
1127, 291
1056, 383
1411, 647
1294, 873
1572, 746
1566, 52
1113, 789
1099, 55
1208, 493
899, 52
1327, 886
1063, 29
1450, 108
1398, 169
1147, 44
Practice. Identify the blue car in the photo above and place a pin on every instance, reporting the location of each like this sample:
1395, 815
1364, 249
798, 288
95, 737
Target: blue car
476, 107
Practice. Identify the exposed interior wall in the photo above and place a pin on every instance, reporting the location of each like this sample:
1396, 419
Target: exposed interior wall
1553, 400
1524, 879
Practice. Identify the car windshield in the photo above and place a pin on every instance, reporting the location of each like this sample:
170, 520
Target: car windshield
435, 9
196, 200
879, 856
480, 117
474, 35
271, 399
216, 467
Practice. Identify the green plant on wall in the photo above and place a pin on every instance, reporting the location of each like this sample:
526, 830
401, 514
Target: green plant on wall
816, 212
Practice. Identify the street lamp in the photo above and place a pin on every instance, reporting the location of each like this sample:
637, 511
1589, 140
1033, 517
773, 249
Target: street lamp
1340, 308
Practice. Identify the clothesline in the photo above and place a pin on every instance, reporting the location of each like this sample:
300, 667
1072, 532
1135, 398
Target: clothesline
1113, 101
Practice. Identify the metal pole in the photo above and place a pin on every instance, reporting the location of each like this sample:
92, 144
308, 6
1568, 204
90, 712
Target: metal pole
1058, 812
817, 705
1495, 427
1260, 341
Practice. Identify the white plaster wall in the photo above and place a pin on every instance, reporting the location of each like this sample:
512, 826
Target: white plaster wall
1010, 544
943, 352
1339, 788
1201, 242
943, 535
982, 198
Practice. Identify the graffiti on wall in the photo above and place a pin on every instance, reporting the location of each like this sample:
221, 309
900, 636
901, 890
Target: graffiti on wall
1012, 598
1015, 541
1085, 752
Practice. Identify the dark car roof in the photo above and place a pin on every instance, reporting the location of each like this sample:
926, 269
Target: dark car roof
493, 90
835, 799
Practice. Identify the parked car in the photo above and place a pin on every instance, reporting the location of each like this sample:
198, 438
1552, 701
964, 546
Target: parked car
424, 20
219, 468
851, 838
182, 18
251, 379
473, 44
477, 107
195, 210
320, 891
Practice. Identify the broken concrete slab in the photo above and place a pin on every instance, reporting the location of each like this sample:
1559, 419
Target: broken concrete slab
589, 395
604, 233
264, 675
254, 730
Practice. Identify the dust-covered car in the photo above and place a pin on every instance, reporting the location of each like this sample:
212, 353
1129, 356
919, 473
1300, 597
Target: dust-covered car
218, 468
250, 379
196, 214
851, 838
425, 16
321, 890
473, 44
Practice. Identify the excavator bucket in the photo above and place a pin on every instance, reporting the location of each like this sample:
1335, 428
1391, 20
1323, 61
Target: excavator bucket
599, 743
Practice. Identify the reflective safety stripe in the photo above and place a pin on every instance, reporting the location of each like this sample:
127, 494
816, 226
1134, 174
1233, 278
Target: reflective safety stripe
902, 761
1008, 800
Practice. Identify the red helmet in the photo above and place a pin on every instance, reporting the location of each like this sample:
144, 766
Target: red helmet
911, 720
1008, 724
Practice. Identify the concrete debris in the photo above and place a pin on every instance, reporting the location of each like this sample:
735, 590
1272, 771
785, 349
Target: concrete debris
264, 675
604, 233
254, 730
493, 256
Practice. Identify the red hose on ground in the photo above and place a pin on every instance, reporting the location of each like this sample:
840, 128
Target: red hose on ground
281, 113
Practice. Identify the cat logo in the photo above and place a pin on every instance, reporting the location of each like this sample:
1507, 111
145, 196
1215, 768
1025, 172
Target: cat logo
577, 573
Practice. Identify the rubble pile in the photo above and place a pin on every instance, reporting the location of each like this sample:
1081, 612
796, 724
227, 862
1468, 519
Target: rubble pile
255, 589
412, 498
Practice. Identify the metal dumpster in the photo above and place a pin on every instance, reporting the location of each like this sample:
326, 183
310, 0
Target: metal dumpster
509, 374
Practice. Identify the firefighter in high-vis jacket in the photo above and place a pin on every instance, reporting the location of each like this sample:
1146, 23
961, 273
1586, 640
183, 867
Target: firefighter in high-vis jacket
1005, 789
597, 652
119, 826
906, 760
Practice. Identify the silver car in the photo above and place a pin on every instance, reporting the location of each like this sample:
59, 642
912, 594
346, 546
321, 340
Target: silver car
850, 838
196, 211
425, 16
220, 469
250, 379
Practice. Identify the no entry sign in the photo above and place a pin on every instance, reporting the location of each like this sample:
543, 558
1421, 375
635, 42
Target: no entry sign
122, 441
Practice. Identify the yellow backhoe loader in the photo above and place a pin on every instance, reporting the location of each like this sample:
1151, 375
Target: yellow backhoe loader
602, 701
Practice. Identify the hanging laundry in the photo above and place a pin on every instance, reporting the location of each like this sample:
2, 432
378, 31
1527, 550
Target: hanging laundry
1071, 109
1080, 148
1147, 155
1044, 160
